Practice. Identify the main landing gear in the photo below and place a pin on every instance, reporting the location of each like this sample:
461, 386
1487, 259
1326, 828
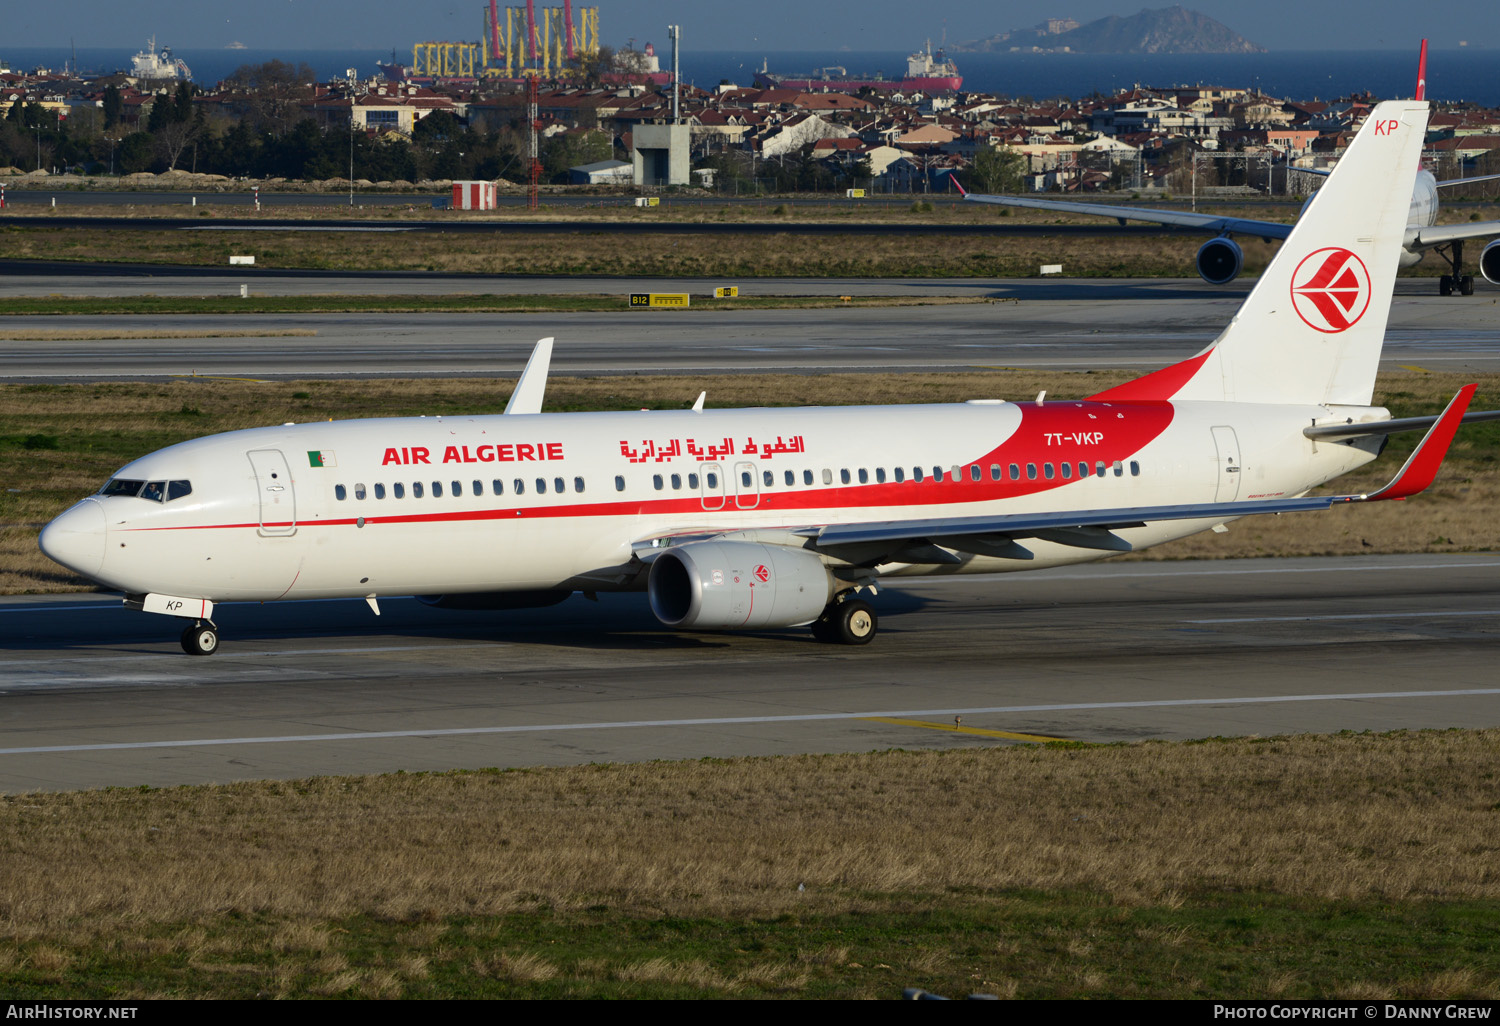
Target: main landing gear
1458, 282
201, 638
852, 622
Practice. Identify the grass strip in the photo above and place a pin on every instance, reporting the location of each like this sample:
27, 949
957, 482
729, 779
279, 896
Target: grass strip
61, 442
84, 306
1350, 866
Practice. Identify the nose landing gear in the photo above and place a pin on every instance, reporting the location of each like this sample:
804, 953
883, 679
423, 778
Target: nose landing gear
201, 638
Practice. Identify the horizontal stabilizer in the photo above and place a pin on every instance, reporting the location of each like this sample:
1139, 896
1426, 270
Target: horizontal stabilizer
1353, 429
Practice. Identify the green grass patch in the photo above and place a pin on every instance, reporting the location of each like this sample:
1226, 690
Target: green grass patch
1028, 944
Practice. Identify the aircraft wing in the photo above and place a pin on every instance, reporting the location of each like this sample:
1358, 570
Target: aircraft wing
1210, 223
935, 540
1438, 234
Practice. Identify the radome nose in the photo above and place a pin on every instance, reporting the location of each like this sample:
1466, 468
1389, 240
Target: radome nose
76, 538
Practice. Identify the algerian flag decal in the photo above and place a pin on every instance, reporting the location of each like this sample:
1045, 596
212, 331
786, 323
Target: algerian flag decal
321, 458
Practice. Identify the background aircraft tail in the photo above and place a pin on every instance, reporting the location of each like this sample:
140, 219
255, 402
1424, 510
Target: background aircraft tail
1312, 328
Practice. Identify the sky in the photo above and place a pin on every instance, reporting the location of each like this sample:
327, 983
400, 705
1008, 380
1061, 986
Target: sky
769, 25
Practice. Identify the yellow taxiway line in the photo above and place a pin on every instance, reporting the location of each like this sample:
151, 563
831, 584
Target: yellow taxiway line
958, 728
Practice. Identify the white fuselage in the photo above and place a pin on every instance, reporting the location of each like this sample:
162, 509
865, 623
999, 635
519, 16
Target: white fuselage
515, 503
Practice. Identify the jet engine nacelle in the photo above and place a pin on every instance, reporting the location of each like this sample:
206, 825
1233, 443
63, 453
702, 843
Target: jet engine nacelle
737, 586
1489, 262
1219, 261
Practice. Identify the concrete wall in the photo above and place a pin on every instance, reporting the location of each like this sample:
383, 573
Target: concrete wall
660, 154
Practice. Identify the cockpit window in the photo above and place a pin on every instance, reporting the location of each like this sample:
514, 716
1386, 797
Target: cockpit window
122, 487
156, 491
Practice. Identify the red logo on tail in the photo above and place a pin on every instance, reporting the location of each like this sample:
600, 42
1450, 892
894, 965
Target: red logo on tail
1330, 290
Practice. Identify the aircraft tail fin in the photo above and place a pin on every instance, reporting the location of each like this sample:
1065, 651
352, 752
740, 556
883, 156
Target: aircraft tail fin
1312, 328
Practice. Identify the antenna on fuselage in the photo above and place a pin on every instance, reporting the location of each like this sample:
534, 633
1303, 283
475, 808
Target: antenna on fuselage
527, 398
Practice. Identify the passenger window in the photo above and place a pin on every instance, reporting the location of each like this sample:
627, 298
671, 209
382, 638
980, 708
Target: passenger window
519, 486
1031, 471
359, 491
790, 478
498, 486
1015, 472
380, 491
437, 489
958, 473
712, 479
541, 486
745, 479
1067, 471
1047, 471
340, 492
559, 485
864, 476
177, 489
975, 473
937, 474
676, 482
807, 477
1083, 470
900, 474
916, 474
1135, 469
1099, 469
458, 489
880, 475
578, 485
827, 476
656, 481
693, 482
619, 482
1119, 469
844, 475
478, 487
994, 471
398, 490
768, 478
416, 489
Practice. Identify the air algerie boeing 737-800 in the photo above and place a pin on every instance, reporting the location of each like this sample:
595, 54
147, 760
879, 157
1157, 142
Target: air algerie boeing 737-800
1220, 259
768, 518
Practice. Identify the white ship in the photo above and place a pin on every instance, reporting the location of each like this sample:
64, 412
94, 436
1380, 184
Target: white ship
151, 64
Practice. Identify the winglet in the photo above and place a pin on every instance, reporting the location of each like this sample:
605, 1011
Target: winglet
1422, 74
527, 398
958, 185
1422, 466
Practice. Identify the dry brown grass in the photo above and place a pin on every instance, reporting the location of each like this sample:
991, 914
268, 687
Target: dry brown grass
1408, 817
97, 334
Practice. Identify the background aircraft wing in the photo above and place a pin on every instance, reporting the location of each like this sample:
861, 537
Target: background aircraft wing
1437, 234
1210, 223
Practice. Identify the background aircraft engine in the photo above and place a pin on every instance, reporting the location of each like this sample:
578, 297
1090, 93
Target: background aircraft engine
1489, 262
737, 586
1219, 261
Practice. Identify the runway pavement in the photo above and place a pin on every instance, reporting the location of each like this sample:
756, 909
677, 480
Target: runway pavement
93, 695
1074, 325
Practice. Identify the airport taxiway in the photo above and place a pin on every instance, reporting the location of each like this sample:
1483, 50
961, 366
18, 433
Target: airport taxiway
92, 695
1073, 325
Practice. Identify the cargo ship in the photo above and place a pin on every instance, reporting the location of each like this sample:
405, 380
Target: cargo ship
925, 72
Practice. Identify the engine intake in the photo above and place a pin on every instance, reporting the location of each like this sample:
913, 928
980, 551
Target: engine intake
1220, 260
1489, 262
737, 586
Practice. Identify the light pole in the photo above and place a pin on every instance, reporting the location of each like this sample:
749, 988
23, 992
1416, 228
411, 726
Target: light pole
352, 78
